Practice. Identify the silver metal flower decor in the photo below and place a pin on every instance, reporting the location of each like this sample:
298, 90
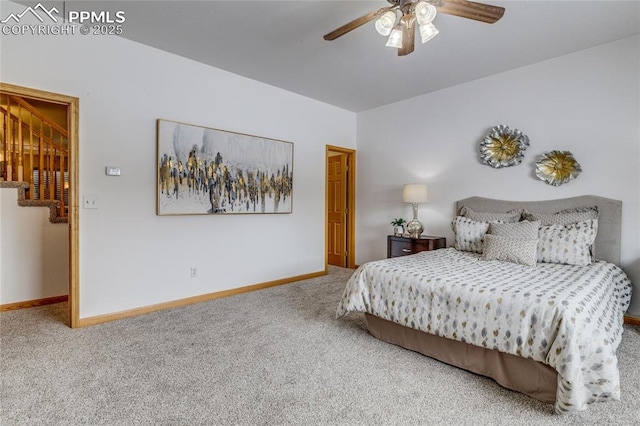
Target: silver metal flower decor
557, 167
503, 147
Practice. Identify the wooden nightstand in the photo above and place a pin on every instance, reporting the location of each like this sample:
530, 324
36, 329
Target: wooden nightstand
402, 246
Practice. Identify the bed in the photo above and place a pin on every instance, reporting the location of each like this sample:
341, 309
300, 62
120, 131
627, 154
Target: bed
547, 329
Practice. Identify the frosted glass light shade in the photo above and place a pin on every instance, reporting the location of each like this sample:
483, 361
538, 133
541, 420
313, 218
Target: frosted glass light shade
385, 23
414, 193
395, 39
425, 12
427, 32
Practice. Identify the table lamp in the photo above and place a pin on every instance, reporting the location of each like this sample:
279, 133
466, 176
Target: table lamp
414, 193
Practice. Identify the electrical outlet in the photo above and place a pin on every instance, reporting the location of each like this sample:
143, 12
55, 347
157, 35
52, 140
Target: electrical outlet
194, 272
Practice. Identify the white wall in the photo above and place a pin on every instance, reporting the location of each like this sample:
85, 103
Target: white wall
587, 102
129, 257
34, 253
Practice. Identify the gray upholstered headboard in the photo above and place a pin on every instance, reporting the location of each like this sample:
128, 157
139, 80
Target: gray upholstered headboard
607, 244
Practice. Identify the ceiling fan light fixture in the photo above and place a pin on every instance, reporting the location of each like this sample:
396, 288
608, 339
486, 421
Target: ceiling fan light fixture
427, 32
401, 32
425, 12
385, 24
395, 39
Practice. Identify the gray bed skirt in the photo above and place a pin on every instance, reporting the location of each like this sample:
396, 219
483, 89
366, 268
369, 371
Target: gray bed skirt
530, 377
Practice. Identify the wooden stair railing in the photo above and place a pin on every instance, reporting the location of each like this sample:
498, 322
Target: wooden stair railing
34, 149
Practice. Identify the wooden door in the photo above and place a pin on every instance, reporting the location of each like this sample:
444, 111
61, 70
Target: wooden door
337, 210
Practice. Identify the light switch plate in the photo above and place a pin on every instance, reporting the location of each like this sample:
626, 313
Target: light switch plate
90, 202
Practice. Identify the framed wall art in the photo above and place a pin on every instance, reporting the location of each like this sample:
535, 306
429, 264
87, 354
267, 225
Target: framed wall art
210, 171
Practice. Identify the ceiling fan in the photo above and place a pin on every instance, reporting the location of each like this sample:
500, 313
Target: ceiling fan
401, 31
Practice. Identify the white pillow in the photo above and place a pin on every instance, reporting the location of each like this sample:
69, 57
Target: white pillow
568, 244
514, 250
563, 217
510, 216
469, 234
525, 230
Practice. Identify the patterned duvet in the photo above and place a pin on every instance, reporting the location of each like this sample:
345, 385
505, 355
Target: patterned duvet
568, 317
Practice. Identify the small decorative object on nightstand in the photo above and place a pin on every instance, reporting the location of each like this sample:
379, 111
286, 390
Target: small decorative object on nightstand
402, 246
398, 226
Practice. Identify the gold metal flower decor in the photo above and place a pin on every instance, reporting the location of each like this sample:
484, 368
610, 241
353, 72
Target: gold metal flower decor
557, 167
503, 147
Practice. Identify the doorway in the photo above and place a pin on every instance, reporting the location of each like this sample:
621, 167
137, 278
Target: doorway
340, 206
72, 105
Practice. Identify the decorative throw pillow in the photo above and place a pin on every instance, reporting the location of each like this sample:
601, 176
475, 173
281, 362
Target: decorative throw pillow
524, 230
514, 250
469, 234
563, 217
510, 216
568, 244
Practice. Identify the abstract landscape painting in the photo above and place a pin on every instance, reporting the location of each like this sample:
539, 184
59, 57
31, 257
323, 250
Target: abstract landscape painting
210, 171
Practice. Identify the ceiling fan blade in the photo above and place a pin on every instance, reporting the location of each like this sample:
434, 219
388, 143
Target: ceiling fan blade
471, 10
350, 26
408, 24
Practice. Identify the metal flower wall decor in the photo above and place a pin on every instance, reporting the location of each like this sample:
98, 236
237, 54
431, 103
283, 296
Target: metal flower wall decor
557, 167
503, 147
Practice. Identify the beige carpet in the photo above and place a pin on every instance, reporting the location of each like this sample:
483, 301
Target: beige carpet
271, 357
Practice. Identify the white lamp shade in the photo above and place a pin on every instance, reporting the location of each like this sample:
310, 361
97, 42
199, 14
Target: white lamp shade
427, 32
385, 24
414, 193
395, 39
425, 12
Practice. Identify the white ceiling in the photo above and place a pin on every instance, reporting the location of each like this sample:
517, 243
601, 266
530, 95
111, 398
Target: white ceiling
280, 42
